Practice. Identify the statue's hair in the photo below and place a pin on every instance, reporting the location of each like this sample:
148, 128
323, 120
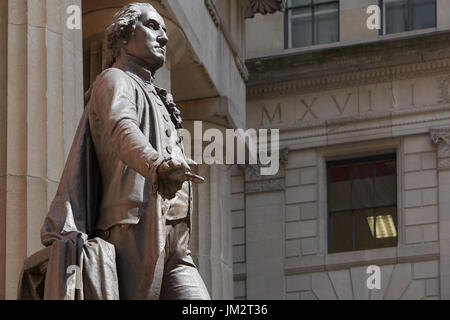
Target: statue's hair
121, 28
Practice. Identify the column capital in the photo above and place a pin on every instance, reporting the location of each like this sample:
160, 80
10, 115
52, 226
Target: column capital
255, 182
253, 7
441, 137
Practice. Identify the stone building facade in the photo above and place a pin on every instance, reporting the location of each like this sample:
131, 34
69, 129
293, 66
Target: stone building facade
365, 95
45, 68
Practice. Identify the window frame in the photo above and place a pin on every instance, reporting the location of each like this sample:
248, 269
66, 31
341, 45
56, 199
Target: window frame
382, 31
312, 5
350, 161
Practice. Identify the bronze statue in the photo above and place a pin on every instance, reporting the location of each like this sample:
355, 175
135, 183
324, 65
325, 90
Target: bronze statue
123, 207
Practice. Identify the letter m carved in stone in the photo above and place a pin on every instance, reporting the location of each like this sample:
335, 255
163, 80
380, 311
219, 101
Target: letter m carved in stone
271, 119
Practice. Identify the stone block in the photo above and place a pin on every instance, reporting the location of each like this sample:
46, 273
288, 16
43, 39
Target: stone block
309, 246
378, 294
430, 197
413, 162
322, 287
423, 215
292, 177
298, 282
237, 184
413, 198
432, 287
237, 202
414, 234
400, 279
238, 236
309, 175
292, 212
293, 296
430, 232
429, 160
303, 229
238, 219
418, 143
342, 284
239, 289
420, 180
359, 283
36, 13
428, 269
238, 254
301, 194
293, 248
415, 291
308, 295
309, 211
300, 159
239, 268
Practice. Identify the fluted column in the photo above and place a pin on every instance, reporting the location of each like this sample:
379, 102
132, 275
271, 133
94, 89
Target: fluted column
44, 103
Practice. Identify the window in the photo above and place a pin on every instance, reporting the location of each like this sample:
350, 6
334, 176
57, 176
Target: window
406, 15
362, 204
310, 22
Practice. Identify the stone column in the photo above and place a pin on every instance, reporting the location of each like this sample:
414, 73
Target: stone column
210, 243
44, 102
441, 137
264, 212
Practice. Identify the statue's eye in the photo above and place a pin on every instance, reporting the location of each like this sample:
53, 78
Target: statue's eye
153, 25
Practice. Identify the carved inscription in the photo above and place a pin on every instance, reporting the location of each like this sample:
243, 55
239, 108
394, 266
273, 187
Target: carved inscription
354, 102
340, 108
308, 108
271, 119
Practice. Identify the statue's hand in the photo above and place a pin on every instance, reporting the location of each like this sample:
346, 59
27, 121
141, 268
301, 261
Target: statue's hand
173, 173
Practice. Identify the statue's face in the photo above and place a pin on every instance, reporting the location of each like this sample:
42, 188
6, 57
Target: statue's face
149, 40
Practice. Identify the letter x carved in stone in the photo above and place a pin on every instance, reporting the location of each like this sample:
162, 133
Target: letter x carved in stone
309, 109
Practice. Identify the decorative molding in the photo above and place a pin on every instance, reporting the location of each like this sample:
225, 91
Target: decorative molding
444, 83
321, 128
441, 137
255, 182
354, 78
253, 7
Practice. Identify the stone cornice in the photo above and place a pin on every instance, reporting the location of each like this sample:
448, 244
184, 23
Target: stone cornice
349, 66
253, 7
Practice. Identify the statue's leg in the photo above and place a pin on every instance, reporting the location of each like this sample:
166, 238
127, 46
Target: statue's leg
181, 280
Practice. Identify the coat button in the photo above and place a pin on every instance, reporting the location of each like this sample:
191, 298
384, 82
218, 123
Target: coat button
168, 132
169, 149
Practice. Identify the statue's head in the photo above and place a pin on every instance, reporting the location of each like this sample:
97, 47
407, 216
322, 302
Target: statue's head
138, 30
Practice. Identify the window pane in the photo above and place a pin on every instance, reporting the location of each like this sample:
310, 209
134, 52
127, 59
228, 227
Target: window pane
301, 27
339, 187
320, 1
326, 23
362, 179
423, 14
396, 16
386, 230
294, 3
385, 182
341, 232
364, 238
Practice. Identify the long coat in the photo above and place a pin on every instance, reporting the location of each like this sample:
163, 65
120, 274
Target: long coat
120, 117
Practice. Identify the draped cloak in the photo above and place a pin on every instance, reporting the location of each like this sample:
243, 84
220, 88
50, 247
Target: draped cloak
73, 255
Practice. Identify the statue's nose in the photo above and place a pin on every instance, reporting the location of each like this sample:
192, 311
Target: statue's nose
162, 40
